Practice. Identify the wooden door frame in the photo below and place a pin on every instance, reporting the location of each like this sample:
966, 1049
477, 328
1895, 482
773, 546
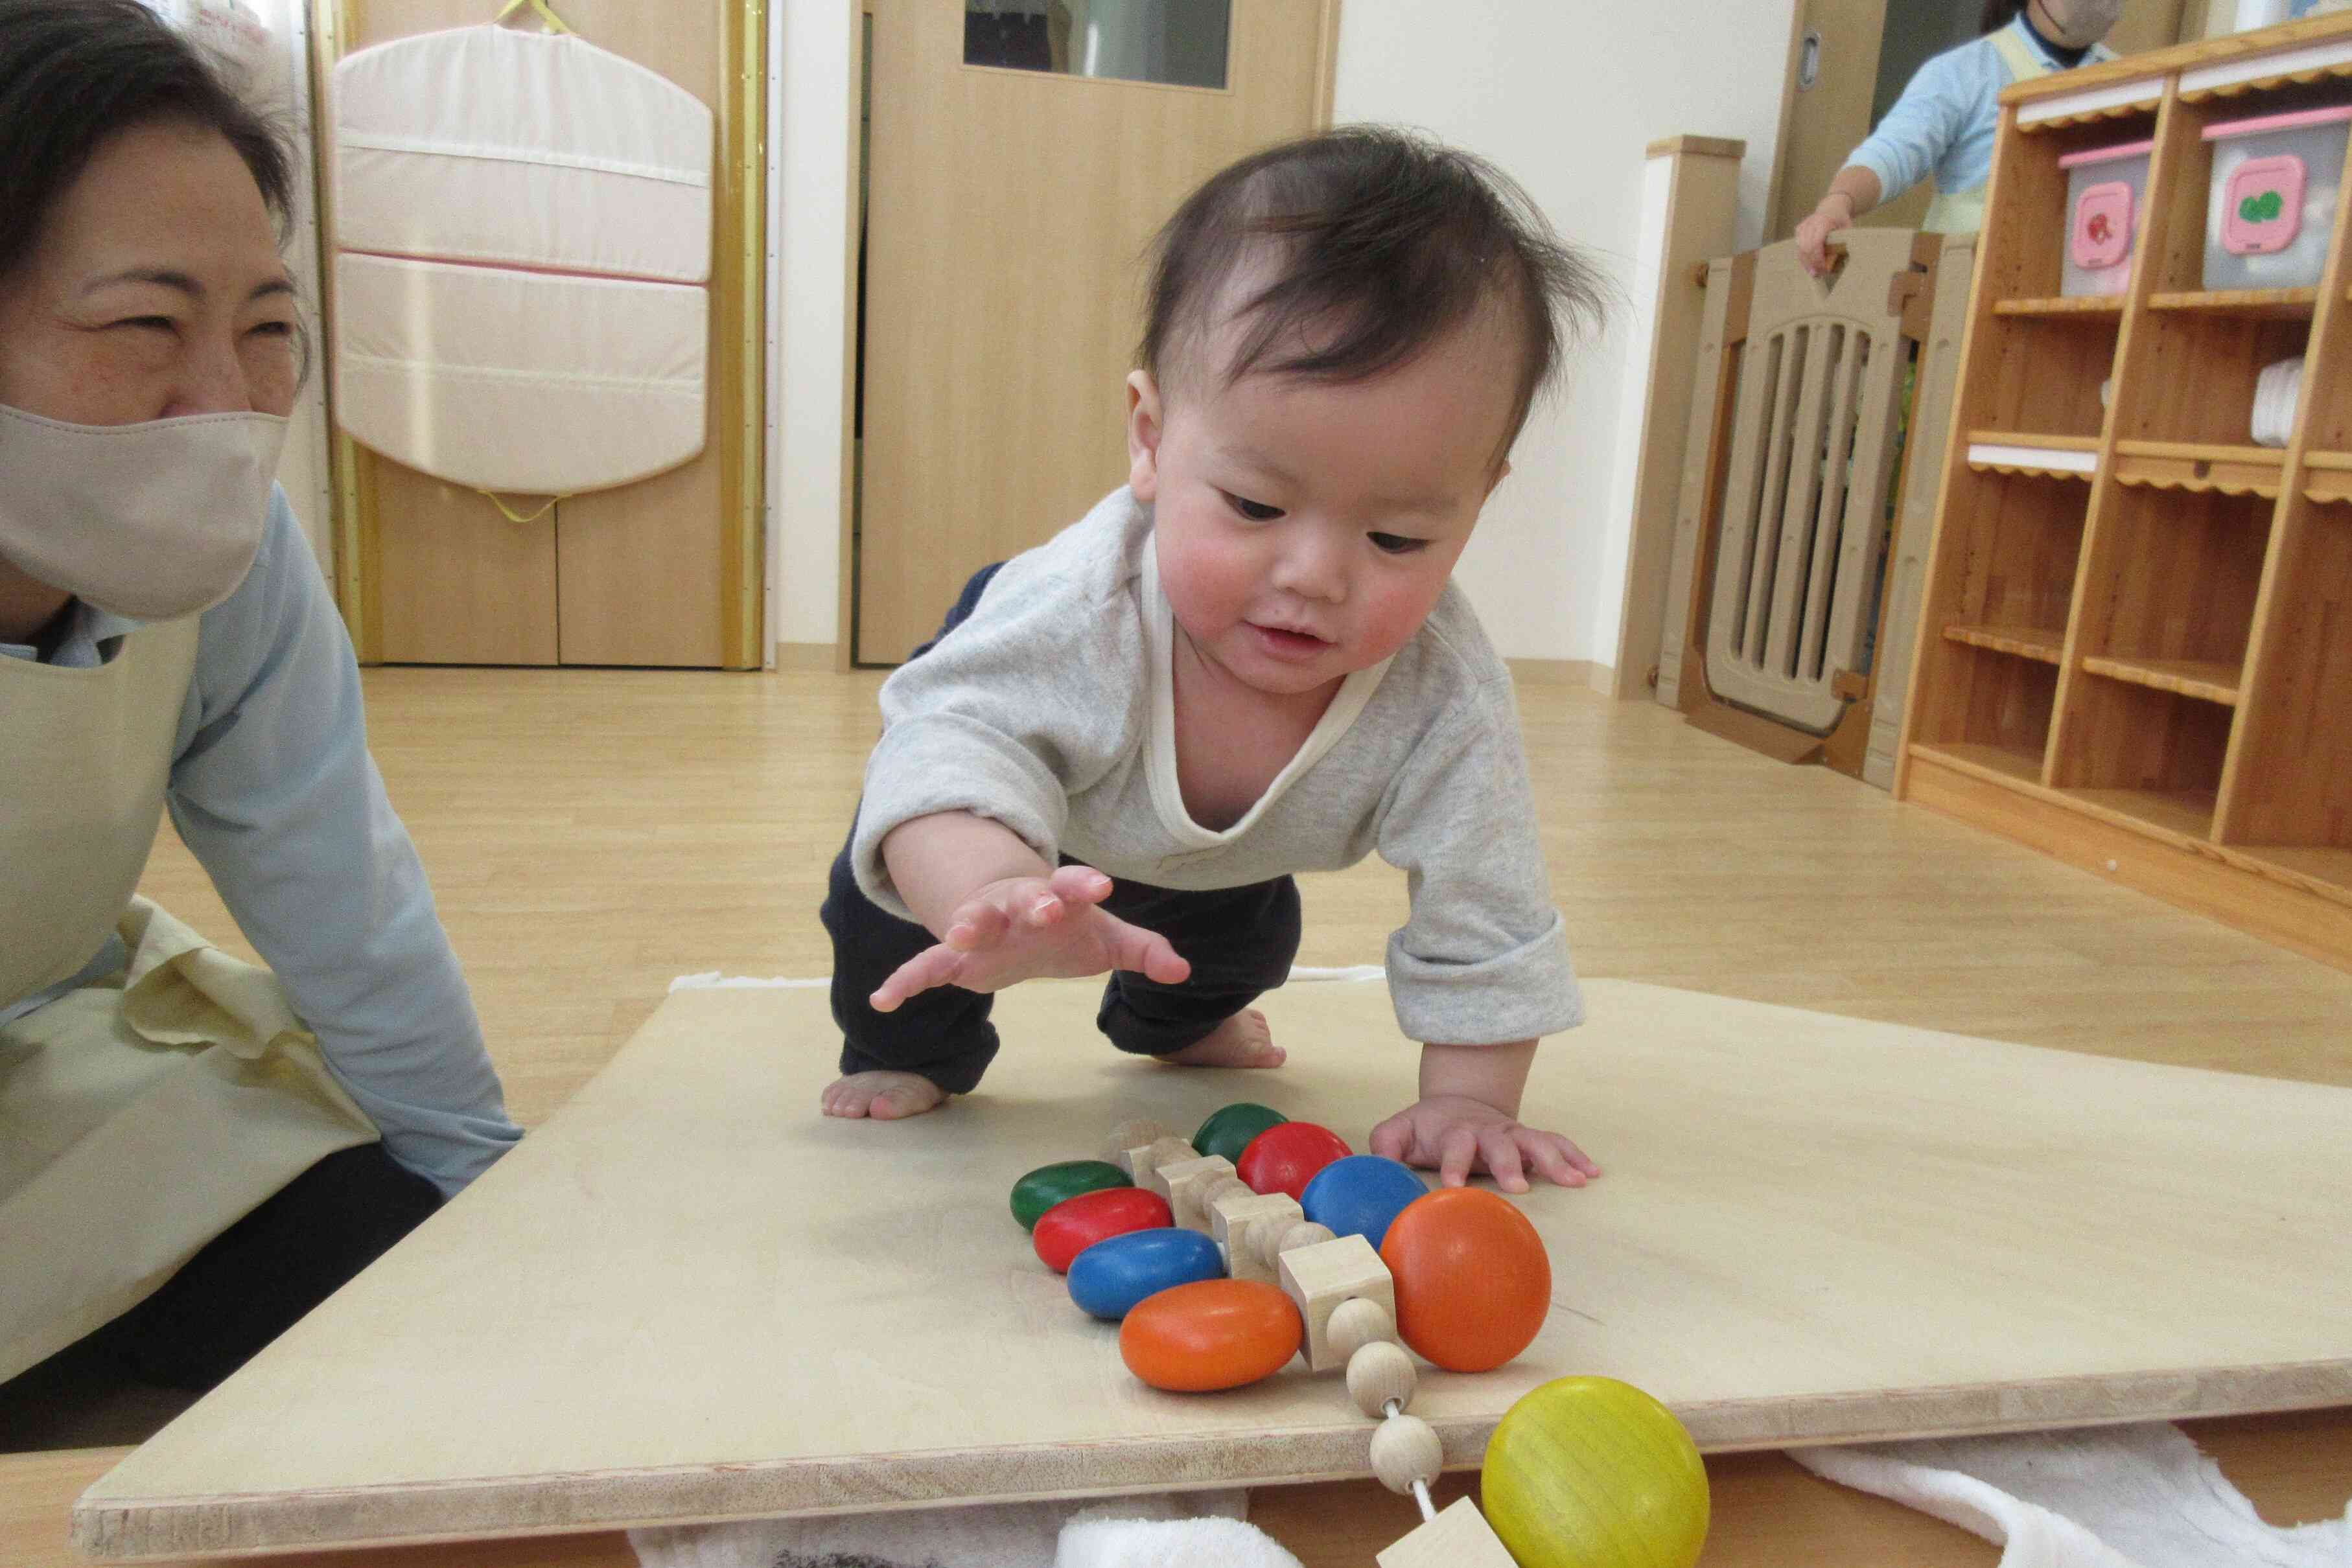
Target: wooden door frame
844, 642
738, 312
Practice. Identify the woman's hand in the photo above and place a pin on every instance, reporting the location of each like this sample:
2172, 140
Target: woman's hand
1835, 212
1030, 927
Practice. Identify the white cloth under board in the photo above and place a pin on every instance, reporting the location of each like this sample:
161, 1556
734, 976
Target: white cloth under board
519, 381
522, 227
2115, 1497
1195, 1529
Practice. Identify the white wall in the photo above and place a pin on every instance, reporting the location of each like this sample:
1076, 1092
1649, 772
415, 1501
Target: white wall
1565, 97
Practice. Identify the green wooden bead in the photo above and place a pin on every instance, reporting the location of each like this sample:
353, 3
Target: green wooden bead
1228, 1132
1046, 1186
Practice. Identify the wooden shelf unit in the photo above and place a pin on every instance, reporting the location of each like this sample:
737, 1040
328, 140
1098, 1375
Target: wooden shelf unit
2135, 649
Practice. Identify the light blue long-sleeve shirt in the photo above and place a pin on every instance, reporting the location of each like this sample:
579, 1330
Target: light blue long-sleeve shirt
1944, 123
273, 788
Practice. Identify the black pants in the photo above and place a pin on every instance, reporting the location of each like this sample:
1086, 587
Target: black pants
1240, 942
251, 1283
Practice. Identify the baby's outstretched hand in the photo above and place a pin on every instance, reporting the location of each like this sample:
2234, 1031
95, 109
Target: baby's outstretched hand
1033, 927
1455, 1136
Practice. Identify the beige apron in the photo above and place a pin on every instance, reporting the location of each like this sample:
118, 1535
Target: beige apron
1963, 212
143, 1115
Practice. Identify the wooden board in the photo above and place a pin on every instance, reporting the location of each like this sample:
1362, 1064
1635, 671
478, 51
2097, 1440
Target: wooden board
688, 1297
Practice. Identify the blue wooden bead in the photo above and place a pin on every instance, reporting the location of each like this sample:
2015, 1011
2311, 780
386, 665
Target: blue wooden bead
1360, 1194
1115, 1273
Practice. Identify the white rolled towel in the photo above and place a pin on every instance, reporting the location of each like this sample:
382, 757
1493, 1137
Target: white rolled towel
2275, 391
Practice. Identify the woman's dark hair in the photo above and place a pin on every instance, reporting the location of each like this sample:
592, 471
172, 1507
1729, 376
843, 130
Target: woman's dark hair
1380, 244
74, 73
1999, 13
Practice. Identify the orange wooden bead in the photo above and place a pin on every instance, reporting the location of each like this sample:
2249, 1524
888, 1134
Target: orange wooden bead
1473, 1282
1209, 1334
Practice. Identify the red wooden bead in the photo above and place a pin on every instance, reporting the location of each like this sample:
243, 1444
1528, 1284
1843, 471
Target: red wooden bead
1473, 1281
1209, 1334
1075, 1224
1286, 1157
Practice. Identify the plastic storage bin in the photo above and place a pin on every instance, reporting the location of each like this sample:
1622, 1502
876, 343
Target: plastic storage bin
2107, 189
2274, 183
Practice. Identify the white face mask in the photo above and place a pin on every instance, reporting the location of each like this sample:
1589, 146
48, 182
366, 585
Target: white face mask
151, 521
2083, 22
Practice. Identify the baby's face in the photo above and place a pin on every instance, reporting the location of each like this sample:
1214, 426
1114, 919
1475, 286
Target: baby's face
1306, 529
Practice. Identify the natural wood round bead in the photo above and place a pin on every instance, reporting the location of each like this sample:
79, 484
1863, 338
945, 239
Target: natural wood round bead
1223, 1186
1305, 1233
1378, 1372
1406, 1449
1134, 1133
1356, 1322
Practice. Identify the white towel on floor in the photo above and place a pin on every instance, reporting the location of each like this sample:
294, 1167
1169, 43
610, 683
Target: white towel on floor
1193, 1530
2119, 1497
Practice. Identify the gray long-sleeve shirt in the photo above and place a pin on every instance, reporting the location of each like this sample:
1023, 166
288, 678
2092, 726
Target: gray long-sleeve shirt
1051, 711
273, 788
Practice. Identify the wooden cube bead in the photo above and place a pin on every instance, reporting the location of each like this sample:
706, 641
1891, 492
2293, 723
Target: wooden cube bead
1235, 1221
1130, 1138
1380, 1372
1188, 1182
1405, 1449
1147, 1164
1358, 1322
1459, 1537
1321, 1276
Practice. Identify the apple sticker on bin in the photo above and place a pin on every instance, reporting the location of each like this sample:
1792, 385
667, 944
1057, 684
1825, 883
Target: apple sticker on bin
2102, 226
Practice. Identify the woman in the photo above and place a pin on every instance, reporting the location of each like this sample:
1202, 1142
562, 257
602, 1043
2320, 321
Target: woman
1943, 124
192, 1153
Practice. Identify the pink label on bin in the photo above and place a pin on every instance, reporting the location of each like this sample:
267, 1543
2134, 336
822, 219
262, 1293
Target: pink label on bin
2102, 226
2263, 205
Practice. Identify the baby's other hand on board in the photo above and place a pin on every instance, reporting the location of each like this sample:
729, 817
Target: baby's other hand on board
1457, 1136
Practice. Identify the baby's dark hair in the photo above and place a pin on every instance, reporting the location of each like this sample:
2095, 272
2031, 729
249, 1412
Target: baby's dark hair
1382, 243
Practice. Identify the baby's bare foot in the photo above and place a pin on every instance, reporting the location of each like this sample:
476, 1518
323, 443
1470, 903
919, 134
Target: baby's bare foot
884, 1096
1241, 1040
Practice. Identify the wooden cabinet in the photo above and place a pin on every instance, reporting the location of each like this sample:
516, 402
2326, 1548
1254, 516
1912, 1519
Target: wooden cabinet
2136, 652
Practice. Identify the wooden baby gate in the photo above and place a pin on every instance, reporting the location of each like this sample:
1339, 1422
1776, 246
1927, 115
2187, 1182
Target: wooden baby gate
1819, 419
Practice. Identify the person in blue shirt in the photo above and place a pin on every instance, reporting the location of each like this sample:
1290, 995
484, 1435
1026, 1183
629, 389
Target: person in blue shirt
1943, 124
193, 1152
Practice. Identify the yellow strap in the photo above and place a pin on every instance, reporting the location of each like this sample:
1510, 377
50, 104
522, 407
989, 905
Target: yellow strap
546, 14
509, 512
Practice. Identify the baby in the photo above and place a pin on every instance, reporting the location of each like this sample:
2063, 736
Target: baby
1247, 663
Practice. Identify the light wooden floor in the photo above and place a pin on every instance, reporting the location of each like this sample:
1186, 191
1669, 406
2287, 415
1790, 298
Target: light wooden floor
590, 834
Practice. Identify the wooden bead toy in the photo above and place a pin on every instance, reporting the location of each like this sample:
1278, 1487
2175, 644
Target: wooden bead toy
1188, 1183
1472, 1283
1589, 1472
1360, 1194
1075, 1224
1356, 1322
1130, 1137
1210, 1335
1227, 1132
1285, 1158
1406, 1453
1149, 1166
1380, 1375
1457, 1538
1237, 1220
1111, 1277
1046, 1186
1321, 1276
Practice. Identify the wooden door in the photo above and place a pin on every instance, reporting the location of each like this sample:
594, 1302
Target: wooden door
1824, 122
661, 572
1008, 215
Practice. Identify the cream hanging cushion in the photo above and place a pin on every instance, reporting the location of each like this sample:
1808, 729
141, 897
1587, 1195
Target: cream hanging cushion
522, 224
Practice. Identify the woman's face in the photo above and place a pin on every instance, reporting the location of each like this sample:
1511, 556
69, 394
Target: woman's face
2078, 24
155, 290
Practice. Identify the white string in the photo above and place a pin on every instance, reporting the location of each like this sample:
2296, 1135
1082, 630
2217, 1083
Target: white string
1421, 1496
